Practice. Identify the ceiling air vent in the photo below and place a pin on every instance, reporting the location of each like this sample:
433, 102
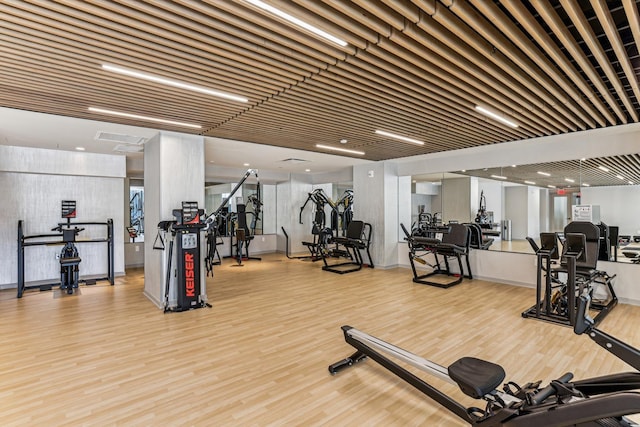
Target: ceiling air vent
293, 160
125, 148
120, 138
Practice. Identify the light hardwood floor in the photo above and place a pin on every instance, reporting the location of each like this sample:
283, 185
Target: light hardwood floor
259, 356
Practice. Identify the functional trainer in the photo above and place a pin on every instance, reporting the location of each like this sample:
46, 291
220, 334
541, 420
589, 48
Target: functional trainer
69, 258
599, 401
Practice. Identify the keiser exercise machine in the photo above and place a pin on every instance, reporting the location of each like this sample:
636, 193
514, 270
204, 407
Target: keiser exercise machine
185, 232
599, 401
69, 258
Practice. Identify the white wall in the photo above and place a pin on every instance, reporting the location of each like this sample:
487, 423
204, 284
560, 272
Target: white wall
456, 199
618, 206
33, 183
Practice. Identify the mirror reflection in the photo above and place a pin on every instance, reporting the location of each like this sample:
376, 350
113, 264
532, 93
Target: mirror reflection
514, 202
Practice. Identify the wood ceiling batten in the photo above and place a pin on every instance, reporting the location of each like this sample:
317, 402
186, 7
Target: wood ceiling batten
415, 67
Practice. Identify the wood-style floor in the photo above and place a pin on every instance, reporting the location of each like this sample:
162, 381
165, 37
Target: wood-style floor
259, 356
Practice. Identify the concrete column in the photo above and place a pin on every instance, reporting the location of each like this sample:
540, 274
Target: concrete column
376, 201
173, 173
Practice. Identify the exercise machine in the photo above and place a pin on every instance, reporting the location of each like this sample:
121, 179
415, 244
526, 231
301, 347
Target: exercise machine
599, 401
450, 241
69, 259
357, 239
555, 297
221, 214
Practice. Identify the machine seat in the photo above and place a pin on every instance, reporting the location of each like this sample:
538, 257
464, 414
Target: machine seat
70, 261
476, 377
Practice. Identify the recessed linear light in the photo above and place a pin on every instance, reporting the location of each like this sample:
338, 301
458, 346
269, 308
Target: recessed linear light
603, 169
174, 83
296, 21
570, 180
551, 186
495, 116
342, 150
619, 176
151, 119
400, 137
584, 184
530, 182
544, 173
498, 177
80, 148
630, 182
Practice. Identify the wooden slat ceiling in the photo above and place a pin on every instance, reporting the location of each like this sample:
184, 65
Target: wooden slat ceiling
617, 170
416, 68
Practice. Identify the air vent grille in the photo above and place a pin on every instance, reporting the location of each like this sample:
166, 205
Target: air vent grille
121, 138
125, 148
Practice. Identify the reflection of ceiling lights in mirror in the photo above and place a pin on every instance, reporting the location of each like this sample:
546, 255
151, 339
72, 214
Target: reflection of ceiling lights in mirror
300, 23
551, 186
135, 116
498, 177
399, 137
530, 182
495, 116
631, 182
584, 184
342, 150
570, 180
174, 83
544, 173
619, 176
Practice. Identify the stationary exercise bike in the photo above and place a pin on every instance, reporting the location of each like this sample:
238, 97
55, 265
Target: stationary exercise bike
69, 259
599, 401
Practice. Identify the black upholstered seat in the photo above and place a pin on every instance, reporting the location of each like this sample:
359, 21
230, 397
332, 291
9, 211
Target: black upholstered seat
476, 377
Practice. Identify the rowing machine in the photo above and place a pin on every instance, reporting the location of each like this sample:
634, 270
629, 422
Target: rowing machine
600, 401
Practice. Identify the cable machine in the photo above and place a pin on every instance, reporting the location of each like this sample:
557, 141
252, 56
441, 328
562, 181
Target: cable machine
185, 237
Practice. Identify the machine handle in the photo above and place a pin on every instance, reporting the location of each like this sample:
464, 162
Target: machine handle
549, 390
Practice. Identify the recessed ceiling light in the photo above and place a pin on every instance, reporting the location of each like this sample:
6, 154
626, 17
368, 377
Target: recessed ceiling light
463, 170
400, 137
544, 173
630, 182
246, 164
315, 30
584, 184
342, 150
551, 186
570, 180
174, 83
619, 176
530, 182
498, 177
513, 166
307, 170
584, 159
80, 148
151, 119
343, 141
602, 168
495, 116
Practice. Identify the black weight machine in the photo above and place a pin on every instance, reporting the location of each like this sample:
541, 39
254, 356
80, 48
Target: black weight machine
599, 401
69, 258
356, 240
555, 298
322, 235
450, 241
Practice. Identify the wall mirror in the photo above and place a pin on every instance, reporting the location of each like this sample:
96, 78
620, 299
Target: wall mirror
260, 215
546, 196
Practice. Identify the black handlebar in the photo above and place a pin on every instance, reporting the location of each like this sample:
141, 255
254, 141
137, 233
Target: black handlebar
549, 390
